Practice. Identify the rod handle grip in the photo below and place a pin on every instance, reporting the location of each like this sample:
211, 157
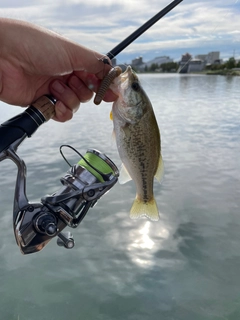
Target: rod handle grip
46, 106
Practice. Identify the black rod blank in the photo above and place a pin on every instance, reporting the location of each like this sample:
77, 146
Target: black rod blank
116, 50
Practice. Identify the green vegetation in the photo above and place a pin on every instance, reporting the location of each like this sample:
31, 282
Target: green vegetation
169, 67
226, 72
164, 67
225, 68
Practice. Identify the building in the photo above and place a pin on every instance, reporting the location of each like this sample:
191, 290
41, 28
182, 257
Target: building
188, 64
202, 57
196, 65
138, 63
184, 63
212, 57
159, 61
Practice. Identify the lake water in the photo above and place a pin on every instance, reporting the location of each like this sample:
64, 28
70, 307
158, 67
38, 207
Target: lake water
184, 267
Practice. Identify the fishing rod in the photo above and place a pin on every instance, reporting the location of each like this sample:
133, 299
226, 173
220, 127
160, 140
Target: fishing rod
122, 45
35, 224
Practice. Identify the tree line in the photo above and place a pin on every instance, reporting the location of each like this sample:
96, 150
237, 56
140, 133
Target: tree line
230, 64
164, 67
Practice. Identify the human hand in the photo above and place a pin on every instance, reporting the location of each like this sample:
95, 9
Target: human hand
35, 62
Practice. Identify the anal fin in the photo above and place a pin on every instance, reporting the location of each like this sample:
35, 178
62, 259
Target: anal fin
160, 170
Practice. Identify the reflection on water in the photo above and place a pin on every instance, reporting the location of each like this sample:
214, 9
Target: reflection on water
145, 241
186, 266
142, 247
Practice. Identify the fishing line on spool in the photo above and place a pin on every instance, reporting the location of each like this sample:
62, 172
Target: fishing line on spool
103, 175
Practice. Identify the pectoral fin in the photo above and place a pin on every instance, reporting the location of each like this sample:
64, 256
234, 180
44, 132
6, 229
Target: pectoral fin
113, 136
160, 170
111, 116
124, 175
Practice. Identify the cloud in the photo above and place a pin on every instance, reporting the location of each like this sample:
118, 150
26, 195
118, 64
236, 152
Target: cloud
103, 24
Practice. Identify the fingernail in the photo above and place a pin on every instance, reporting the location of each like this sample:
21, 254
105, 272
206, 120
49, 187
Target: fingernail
61, 107
75, 82
58, 86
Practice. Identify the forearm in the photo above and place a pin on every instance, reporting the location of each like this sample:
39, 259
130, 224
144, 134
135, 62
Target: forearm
55, 53
33, 47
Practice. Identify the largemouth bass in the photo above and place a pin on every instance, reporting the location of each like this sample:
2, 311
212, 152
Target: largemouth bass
138, 142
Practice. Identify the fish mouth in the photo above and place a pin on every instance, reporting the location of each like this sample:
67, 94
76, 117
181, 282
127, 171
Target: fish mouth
128, 76
123, 81
128, 70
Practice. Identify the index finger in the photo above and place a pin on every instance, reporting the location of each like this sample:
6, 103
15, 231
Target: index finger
96, 63
93, 82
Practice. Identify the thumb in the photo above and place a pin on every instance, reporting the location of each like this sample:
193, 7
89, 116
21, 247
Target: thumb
85, 59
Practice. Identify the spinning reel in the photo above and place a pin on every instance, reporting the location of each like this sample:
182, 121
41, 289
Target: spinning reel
35, 224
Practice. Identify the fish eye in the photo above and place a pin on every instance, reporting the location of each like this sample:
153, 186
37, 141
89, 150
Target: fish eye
135, 86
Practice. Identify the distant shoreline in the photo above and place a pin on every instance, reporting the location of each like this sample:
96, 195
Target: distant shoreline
227, 72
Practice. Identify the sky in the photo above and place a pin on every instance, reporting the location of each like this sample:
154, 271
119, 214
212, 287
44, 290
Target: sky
197, 27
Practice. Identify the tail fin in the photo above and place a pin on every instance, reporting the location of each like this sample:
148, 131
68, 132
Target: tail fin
144, 209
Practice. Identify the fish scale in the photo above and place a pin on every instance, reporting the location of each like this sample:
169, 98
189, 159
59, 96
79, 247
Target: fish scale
137, 151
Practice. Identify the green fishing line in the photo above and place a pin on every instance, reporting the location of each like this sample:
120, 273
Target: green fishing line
97, 163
